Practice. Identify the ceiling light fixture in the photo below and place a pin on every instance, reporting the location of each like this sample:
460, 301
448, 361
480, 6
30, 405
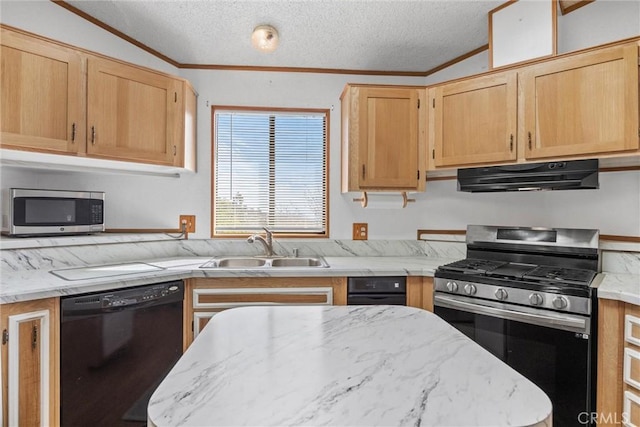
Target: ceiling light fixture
265, 38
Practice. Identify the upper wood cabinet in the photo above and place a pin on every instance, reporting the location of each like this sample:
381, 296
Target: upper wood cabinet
576, 106
132, 113
42, 95
64, 100
30, 360
475, 121
383, 138
582, 105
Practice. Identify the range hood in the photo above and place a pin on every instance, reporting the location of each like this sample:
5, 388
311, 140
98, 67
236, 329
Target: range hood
569, 175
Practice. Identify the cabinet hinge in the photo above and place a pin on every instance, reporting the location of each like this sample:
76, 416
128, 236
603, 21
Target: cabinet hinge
192, 326
433, 154
5, 337
418, 175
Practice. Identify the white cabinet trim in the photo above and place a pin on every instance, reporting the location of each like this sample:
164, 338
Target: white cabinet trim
327, 291
629, 321
629, 355
14, 365
629, 399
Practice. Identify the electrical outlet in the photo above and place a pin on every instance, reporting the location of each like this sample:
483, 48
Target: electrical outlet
360, 231
190, 220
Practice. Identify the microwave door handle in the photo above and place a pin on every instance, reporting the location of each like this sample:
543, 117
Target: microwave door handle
570, 323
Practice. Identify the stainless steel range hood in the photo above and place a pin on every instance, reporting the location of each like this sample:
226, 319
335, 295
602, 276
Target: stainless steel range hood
569, 175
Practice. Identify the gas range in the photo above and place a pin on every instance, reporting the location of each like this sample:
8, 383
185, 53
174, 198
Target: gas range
538, 268
526, 295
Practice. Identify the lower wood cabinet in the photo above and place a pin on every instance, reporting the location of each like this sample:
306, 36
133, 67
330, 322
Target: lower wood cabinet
206, 297
420, 292
618, 364
30, 363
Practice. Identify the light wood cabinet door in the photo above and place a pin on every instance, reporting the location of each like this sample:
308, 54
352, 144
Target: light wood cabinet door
133, 114
582, 105
43, 96
30, 380
475, 121
384, 140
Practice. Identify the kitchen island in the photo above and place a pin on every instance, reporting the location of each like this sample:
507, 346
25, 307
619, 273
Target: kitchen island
349, 365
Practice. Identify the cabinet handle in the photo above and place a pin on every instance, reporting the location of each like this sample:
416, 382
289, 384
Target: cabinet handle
363, 172
73, 132
511, 142
93, 135
34, 337
530, 145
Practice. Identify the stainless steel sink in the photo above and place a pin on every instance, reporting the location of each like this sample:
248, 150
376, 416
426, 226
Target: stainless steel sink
262, 262
298, 262
241, 262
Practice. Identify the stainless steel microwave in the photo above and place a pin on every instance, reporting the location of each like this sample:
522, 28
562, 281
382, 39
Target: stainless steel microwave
32, 212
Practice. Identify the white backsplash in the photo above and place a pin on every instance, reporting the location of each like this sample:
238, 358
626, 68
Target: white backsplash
90, 250
117, 251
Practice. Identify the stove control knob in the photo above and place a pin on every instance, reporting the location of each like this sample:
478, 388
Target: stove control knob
560, 302
452, 286
501, 294
535, 299
470, 289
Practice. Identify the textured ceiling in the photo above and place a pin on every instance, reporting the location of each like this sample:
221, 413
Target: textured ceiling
380, 35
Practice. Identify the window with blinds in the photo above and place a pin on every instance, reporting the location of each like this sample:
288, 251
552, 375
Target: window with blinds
270, 170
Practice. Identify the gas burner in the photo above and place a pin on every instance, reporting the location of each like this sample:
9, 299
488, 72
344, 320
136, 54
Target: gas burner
559, 274
471, 265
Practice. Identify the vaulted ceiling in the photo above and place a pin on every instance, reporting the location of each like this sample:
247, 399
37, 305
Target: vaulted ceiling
368, 35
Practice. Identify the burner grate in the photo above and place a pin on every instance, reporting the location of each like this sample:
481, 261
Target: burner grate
472, 265
560, 274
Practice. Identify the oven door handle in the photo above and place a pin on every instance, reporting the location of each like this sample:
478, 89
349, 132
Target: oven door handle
550, 320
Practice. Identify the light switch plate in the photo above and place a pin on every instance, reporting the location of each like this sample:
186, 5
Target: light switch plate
360, 231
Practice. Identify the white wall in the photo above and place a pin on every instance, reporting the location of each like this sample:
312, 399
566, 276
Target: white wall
149, 202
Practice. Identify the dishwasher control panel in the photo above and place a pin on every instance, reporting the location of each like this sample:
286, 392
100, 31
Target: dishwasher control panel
158, 293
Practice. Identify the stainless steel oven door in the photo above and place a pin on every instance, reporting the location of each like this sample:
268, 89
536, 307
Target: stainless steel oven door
553, 350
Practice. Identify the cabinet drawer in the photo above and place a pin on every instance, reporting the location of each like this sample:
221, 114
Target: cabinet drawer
631, 368
631, 410
228, 298
632, 329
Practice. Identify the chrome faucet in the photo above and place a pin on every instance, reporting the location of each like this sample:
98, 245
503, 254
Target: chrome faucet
267, 241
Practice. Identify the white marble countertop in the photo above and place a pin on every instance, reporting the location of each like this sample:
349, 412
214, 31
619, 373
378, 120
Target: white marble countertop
341, 366
25, 285
621, 287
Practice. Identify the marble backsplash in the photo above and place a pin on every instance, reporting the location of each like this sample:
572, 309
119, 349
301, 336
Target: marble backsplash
93, 253
115, 249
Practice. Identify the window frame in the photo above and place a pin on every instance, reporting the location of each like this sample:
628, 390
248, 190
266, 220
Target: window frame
249, 109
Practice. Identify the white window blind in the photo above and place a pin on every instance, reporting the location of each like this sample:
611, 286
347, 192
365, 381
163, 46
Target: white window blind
270, 171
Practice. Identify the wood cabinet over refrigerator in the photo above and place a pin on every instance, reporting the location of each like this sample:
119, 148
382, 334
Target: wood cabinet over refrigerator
383, 138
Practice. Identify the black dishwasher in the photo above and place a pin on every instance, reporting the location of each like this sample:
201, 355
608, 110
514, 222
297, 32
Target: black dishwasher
115, 349
377, 290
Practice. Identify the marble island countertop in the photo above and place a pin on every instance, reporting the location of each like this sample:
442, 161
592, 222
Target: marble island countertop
25, 285
349, 365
